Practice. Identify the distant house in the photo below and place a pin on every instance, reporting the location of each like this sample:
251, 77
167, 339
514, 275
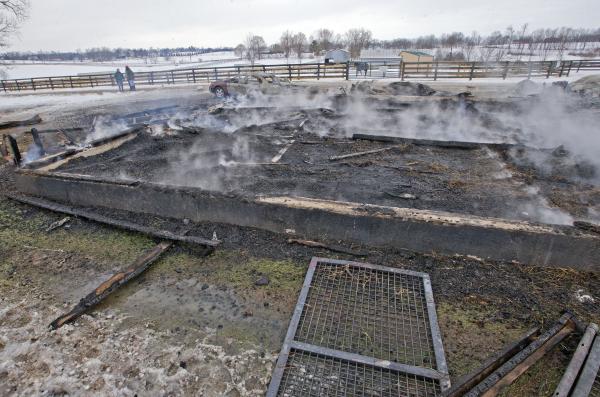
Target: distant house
380, 55
415, 56
337, 56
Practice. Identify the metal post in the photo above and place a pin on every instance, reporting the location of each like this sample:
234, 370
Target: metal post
505, 73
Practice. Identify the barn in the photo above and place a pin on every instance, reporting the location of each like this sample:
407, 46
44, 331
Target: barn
415, 56
337, 56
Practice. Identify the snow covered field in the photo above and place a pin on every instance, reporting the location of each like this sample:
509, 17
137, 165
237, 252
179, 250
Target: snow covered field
22, 70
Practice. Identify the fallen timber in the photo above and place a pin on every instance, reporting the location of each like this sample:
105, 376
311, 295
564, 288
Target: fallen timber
437, 143
467, 382
140, 265
573, 370
161, 234
506, 374
20, 123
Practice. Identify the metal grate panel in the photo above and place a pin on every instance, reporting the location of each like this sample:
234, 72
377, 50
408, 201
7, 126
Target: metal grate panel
362, 329
311, 374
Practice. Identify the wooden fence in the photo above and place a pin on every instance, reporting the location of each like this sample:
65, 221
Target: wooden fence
473, 70
316, 71
177, 76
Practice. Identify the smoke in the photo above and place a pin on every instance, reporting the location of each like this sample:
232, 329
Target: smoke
105, 127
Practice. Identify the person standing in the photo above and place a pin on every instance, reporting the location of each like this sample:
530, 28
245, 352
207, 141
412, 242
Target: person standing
130, 78
119, 79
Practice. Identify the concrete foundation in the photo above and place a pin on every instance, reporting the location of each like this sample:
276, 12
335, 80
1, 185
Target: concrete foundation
419, 230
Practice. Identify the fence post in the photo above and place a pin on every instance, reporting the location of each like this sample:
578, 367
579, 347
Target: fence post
51, 83
172, 77
290, 72
91, 82
578, 66
472, 70
3, 86
194, 75
17, 83
348, 70
71, 81
505, 72
239, 71
550, 67
569, 70
435, 71
562, 68
318, 71
401, 70
529, 71
33, 84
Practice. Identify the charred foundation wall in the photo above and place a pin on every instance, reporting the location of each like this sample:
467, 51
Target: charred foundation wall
423, 231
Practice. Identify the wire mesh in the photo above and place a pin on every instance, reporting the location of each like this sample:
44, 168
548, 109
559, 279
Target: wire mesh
595, 392
370, 312
310, 374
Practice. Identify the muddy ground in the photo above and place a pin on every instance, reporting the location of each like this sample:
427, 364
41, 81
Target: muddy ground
199, 325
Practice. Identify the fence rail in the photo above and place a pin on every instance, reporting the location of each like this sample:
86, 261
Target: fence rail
178, 76
402, 70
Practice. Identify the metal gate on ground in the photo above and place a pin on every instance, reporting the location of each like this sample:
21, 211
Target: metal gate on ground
361, 329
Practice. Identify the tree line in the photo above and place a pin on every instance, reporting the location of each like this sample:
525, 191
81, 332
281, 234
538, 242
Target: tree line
519, 43
109, 54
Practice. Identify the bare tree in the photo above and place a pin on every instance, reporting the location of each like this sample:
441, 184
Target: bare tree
356, 40
239, 50
12, 13
299, 43
325, 39
286, 43
453, 40
254, 45
471, 43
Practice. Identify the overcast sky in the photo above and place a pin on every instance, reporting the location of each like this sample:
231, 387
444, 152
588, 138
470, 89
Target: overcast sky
73, 24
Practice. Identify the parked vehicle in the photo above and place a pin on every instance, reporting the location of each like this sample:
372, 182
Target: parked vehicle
246, 85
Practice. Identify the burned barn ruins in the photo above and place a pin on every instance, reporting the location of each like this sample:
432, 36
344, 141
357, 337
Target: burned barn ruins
389, 233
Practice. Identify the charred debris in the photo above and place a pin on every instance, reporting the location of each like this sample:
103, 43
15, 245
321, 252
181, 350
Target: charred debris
396, 145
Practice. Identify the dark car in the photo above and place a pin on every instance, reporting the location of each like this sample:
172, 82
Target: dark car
244, 85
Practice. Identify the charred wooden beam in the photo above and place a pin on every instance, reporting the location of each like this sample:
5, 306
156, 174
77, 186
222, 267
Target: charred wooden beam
20, 123
568, 379
429, 142
38, 141
334, 248
358, 154
14, 147
112, 284
589, 373
467, 382
507, 373
162, 234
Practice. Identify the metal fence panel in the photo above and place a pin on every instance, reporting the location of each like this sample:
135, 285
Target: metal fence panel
360, 328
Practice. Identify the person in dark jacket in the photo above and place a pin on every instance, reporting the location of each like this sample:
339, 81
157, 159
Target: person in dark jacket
119, 79
130, 78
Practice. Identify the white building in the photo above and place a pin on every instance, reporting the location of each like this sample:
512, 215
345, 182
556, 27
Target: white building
337, 56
